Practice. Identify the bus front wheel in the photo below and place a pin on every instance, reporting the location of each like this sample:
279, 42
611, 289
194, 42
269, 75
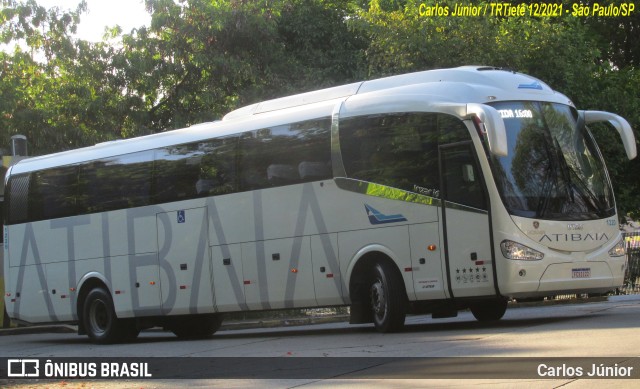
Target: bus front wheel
387, 298
491, 310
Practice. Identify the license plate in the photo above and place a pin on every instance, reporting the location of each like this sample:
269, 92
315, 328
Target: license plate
583, 272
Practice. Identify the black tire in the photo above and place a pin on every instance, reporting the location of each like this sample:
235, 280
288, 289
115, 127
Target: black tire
5, 319
491, 310
196, 326
100, 320
387, 298
130, 330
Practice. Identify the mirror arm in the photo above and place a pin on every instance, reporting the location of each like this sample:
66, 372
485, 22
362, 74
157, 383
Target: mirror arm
619, 123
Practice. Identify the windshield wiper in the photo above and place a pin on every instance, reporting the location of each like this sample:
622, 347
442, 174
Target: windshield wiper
564, 170
547, 186
585, 191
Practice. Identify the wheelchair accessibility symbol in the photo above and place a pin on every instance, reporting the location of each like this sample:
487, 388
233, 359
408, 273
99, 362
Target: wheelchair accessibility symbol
181, 217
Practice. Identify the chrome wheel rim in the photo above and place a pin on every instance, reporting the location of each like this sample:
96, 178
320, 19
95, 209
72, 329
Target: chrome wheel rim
378, 300
98, 317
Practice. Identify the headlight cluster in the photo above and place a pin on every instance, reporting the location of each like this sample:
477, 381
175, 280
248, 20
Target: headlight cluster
618, 250
513, 250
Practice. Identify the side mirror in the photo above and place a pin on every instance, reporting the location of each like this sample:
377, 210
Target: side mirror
621, 125
493, 126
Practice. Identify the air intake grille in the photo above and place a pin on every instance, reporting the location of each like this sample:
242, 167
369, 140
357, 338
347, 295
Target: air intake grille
18, 199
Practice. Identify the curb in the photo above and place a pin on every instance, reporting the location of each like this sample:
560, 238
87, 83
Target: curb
44, 329
234, 325
288, 322
546, 303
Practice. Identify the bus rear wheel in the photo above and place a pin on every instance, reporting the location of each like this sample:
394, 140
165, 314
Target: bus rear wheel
100, 320
387, 298
491, 310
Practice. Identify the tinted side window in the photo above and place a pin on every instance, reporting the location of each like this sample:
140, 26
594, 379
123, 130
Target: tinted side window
287, 154
116, 183
195, 170
452, 130
461, 179
218, 167
176, 170
461, 176
398, 150
52, 193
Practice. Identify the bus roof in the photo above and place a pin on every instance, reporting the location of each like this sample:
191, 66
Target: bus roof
458, 84
468, 84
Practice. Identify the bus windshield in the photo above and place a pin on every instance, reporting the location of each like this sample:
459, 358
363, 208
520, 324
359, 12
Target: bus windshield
554, 170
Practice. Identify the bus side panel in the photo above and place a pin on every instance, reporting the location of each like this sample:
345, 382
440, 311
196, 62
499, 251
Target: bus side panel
426, 261
278, 222
393, 241
121, 232
327, 278
226, 265
184, 258
48, 252
62, 298
63, 284
30, 301
14, 246
85, 237
278, 273
141, 230
135, 284
279, 212
27, 283
469, 249
231, 218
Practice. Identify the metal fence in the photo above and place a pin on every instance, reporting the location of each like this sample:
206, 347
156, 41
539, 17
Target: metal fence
632, 276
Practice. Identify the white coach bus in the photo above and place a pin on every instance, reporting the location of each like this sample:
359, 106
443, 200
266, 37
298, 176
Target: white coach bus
427, 192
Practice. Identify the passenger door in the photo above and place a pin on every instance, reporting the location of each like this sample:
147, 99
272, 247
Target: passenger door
466, 223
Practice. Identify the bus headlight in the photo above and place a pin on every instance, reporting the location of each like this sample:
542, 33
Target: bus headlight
618, 250
513, 250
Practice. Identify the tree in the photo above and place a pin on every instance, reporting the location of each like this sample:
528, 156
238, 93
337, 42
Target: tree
57, 90
199, 59
189, 65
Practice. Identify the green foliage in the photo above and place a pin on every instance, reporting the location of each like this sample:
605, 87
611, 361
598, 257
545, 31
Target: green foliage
199, 59
618, 91
55, 89
322, 50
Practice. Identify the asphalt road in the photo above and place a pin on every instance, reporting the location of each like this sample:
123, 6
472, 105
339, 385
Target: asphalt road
538, 346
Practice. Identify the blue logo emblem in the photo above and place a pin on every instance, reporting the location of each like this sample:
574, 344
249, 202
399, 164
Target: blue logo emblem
376, 217
181, 217
534, 85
